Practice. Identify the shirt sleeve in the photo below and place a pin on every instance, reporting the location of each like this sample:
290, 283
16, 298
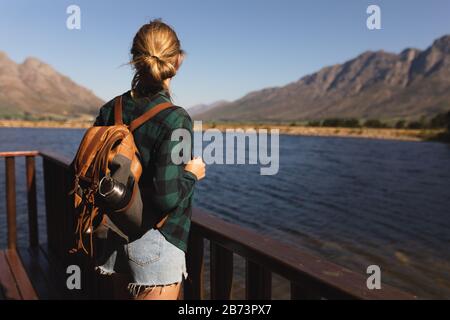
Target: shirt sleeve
99, 119
104, 114
171, 183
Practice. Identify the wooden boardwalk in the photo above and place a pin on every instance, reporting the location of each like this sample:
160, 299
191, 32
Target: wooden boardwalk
39, 270
32, 273
14, 281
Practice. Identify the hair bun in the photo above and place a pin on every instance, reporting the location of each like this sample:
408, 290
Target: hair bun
159, 68
156, 51
154, 57
149, 59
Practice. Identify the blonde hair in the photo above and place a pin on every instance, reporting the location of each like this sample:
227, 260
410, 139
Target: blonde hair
156, 54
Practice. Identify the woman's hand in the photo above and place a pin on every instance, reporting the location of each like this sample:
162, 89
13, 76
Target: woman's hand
197, 167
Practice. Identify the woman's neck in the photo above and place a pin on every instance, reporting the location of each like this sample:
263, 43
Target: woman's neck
167, 83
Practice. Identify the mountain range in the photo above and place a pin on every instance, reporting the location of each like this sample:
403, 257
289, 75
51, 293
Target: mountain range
35, 88
201, 108
374, 85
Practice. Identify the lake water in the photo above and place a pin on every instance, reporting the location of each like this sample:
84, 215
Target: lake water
356, 202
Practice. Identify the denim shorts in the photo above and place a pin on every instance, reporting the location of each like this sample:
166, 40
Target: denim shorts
148, 261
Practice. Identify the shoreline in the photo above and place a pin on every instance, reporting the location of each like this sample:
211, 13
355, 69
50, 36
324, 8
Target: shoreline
367, 133
45, 124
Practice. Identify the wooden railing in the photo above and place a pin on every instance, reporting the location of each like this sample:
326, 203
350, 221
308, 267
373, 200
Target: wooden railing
10, 187
310, 277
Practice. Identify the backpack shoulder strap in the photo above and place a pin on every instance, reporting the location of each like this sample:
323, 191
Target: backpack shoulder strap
136, 123
118, 110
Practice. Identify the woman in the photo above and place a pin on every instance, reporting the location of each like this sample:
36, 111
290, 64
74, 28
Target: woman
153, 266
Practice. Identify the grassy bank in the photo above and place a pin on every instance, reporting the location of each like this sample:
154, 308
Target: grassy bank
375, 133
75, 124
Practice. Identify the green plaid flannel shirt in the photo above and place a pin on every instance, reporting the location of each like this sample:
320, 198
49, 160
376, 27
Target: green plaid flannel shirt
166, 187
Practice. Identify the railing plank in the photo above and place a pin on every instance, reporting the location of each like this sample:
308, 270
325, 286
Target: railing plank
32, 202
49, 203
61, 213
221, 274
193, 287
18, 153
258, 282
11, 202
7, 282
69, 216
56, 159
23, 283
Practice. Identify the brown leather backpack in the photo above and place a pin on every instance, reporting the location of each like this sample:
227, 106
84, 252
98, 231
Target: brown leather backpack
109, 151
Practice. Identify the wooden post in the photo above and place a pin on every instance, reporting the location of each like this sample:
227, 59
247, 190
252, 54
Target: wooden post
11, 202
49, 202
221, 272
193, 286
258, 282
32, 204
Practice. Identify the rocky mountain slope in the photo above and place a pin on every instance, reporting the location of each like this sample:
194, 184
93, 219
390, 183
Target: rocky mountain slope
201, 108
35, 88
379, 85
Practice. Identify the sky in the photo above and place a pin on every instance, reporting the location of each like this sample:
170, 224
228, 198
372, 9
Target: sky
233, 46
